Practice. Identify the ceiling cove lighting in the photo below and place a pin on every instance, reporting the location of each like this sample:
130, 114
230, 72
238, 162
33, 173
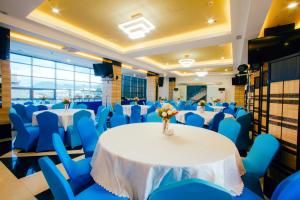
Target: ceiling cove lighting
55, 10
211, 20
201, 74
292, 5
137, 27
186, 61
86, 55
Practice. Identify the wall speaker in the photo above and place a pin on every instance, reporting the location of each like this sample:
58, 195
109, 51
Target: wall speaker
160, 81
4, 43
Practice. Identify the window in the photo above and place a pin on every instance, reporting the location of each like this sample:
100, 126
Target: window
33, 78
133, 87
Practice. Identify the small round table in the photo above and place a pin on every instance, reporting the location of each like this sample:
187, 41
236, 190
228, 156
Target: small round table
65, 117
207, 115
127, 109
133, 160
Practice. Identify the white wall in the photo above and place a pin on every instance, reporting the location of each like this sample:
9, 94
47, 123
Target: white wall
164, 91
213, 84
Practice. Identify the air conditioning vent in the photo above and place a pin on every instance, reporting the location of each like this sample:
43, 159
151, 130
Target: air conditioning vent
70, 49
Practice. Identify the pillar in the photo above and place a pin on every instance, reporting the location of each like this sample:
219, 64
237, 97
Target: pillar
152, 88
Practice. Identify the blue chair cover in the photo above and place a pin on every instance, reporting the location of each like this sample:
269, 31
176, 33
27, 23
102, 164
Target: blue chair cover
214, 124
219, 104
102, 120
48, 124
12, 110
151, 109
80, 106
42, 107
98, 115
149, 103
78, 171
173, 120
153, 117
117, 120
21, 112
72, 137
26, 137
240, 112
243, 140
230, 128
28, 103
72, 105
181, 105
195, 120
186, 115
135, 116
58, 106
158, 104
118, 109
29, 110
225, 105
232, 107
88, 135
61, 190
209, 104
229, 111
208, 108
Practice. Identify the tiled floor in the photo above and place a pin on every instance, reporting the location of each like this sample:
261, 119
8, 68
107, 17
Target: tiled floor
20, 175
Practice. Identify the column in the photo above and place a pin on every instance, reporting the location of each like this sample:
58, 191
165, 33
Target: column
152, 88
172, 85
112, 88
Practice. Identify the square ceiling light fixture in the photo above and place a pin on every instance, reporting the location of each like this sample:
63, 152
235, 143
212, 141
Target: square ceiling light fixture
137, 27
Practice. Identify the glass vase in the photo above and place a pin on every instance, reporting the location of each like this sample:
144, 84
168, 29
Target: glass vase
66, 106
165, 129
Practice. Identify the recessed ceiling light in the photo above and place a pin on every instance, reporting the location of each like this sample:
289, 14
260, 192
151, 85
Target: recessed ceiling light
201, 74
137, 27
292, 5
55, 10
226, 70
211, 20
186, 61
222, 58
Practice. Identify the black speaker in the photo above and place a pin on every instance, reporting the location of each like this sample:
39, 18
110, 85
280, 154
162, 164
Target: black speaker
242, 68
172, 79
221, 89
4, 43
239, 80
279, 30
175, 89
160, 81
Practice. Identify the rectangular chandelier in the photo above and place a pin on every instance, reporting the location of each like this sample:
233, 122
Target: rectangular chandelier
137, 27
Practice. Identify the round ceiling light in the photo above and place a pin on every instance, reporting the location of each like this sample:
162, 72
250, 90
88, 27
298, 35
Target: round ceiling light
55, 10
186, 61
201, 74
292, 5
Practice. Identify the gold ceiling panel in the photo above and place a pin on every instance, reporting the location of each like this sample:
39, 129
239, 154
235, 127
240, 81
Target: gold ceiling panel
210, 70
279, 14
170, 17
199, 54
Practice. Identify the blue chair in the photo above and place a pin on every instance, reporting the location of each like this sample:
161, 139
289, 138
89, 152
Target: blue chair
243, 140
240, 112
78, 171
48, 124
26, 137
225, 104
29, 110
101, 123
88, 135
42, 107
157, 104
80, 106
232, 107
98, 115
219, 104
28, 103
72, 137
153, 117
229, 111
186, 115
58, 106
12, 110
149, 103
195, 120
230, 129
117, 120
61, 189
209, 104
214, 123
151, 109
173, 120
135, 116
20, 109
118, 109
208, 108
181, 105
258, 161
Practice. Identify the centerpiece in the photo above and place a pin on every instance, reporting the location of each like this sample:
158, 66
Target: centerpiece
166, 113
216, 101
136, 100
66, 102
201, 104
43, 99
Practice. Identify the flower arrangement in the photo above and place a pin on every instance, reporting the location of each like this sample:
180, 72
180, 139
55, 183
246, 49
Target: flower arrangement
136, 99
166, 112
44, 97
201, 103
66, 101
217, 100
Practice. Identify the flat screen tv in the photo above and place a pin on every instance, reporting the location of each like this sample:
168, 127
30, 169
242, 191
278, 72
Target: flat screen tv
105, 70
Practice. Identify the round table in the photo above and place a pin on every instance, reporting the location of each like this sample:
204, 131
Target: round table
127, 109
135, 159
216, 108
65, 117
207, 115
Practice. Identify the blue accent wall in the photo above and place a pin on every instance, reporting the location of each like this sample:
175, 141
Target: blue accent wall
194, 90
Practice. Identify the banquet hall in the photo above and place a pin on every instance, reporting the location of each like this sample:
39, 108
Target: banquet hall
149, 99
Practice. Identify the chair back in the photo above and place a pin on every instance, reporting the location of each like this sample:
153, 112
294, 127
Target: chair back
229, 111
186, 115
214, 124
28, 103
98, 115
88, 134
78, 115
118, 110
153, 117
243, 140
232, 107
149, 103
58, 106
209, 104
20, 109
288, 189
225, 104
195, 120
135, 116
103, 118
59, 186
29, 110
173, 120
151, 109
158, 104
42, 107
219, 104
181, 105
208, 108
12, 110
48, 124
117, 120
230, 128
261, 154
191, 189
17, 124
80, 106
240, 112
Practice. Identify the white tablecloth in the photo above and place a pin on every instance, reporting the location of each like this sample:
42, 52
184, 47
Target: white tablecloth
133, 160
216, 108
65, 117
208, 116
127, 109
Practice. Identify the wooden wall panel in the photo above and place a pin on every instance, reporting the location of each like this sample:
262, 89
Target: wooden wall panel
6, 92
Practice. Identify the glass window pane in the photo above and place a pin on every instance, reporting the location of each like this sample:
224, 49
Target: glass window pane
20, 81
43, 72
44, 63
61, 94
20, 58
20, 94
66, 75
20, 69
43, 83
82, 77
82, 86
83, 69
37, 94
96, 79
62, 84
64, 66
